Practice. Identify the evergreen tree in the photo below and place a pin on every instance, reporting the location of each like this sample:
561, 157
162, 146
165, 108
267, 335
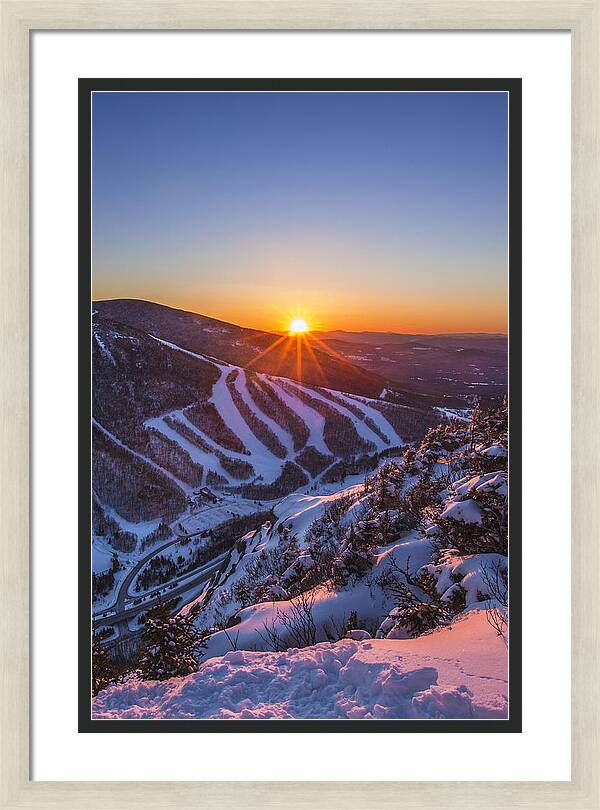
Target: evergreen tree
352, 623
170, 645
103, 669
419, 606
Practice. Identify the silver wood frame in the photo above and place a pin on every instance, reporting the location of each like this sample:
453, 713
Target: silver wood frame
17, 19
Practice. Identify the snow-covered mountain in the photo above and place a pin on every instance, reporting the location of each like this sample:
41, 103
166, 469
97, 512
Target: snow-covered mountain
240, 346
169, 420
266, 546
384, 599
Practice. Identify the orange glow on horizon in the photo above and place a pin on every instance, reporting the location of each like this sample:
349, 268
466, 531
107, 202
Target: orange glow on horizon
467, 312
279, 289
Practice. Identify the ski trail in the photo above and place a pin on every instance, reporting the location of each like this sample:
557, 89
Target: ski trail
261, 458
379, 419
206, 357
361, 428
184, 487
311, 418
284, 437
209, 461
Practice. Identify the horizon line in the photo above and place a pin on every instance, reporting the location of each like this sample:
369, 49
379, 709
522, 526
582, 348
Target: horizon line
316, 331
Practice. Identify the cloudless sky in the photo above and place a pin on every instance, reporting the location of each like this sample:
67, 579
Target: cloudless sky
374, 211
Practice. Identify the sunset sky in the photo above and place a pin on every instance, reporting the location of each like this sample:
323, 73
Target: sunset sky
357, 211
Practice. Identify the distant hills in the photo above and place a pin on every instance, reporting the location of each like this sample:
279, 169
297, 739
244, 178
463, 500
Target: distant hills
382, 338
439, 369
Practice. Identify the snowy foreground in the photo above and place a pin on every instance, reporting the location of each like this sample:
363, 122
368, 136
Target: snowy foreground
429, 677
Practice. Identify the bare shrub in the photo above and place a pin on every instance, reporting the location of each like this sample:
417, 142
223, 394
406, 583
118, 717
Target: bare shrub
299, 621
232, 640
292, 627
271, 636
495, 576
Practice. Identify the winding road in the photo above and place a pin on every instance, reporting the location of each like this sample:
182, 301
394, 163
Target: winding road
118, 615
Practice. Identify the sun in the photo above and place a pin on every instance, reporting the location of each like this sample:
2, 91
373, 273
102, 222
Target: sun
298, 326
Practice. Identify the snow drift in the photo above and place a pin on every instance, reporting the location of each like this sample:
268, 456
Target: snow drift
430, 677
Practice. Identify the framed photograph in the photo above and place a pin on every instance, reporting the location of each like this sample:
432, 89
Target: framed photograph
311, 304
304, 502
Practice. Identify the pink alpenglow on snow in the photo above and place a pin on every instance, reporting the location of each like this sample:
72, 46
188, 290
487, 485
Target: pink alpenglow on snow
456, 672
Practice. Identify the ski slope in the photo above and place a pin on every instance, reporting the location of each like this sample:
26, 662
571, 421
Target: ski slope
268, 466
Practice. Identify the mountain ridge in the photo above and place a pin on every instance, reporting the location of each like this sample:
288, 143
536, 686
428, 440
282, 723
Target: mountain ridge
240, 346
206, 422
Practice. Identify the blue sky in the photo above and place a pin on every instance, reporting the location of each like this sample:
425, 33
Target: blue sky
356, 210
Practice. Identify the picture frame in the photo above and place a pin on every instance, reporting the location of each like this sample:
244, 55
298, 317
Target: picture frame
20, 18
88, 90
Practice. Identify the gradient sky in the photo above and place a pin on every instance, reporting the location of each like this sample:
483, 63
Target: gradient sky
359, 211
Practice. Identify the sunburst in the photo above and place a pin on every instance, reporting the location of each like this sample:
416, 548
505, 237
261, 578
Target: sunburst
298, 327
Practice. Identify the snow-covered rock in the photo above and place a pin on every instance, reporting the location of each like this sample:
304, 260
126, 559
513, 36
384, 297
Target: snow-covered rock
358, 635
490, 482
494, 451
471, 572
466, 511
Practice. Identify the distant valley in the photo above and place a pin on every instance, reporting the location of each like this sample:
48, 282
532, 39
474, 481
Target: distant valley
450, 368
